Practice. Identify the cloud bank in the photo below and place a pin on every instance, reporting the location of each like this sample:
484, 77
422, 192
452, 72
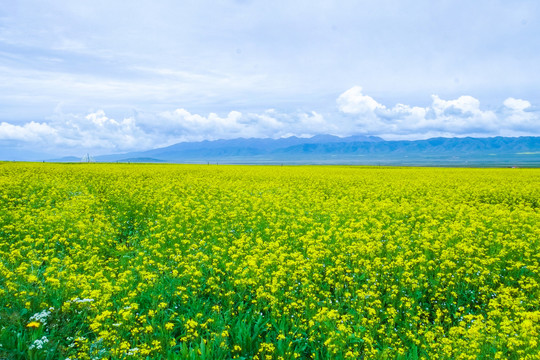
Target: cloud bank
452, 118
356, 113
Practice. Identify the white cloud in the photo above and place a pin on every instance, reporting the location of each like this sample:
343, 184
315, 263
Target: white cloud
516, 104
93, 55
270, 123
462, 116
70, 133
353, 101
99, 133
29, 132
463, 104
458, 117
518, 116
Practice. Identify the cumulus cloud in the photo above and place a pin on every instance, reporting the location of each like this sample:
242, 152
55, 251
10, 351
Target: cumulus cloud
516, 104
96, 131
457, 117
71, 133
462, 116
31, 131
519, 115
270, 123
99, 133
353, 101
357, 114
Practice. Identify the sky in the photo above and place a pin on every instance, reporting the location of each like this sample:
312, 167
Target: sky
103, 77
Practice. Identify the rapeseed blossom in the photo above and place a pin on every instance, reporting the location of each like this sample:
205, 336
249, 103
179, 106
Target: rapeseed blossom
175, 261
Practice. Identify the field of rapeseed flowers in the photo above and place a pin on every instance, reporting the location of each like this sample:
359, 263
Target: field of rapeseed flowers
110, 261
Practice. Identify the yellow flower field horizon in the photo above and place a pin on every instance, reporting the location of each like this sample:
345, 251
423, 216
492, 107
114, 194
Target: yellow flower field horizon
140, 261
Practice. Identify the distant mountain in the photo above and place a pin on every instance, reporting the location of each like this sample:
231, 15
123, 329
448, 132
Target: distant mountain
328, 149
496, 151
500, 145
66, 159
241, 147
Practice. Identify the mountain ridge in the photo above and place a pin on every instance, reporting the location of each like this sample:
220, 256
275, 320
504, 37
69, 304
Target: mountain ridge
329, 149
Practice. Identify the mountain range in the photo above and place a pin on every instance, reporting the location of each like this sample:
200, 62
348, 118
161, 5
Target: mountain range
328, 149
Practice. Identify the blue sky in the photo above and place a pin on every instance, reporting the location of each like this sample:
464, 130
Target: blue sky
102, 77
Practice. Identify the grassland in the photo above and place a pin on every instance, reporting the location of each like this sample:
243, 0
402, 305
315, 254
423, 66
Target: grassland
110, 261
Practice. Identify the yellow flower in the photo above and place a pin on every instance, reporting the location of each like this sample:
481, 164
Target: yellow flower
33, 324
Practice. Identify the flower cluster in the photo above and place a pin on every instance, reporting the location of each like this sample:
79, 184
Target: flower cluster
41, 316
39, 343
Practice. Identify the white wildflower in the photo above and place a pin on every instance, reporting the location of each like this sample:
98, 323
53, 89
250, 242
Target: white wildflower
80, 301
39, 343
41, 317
